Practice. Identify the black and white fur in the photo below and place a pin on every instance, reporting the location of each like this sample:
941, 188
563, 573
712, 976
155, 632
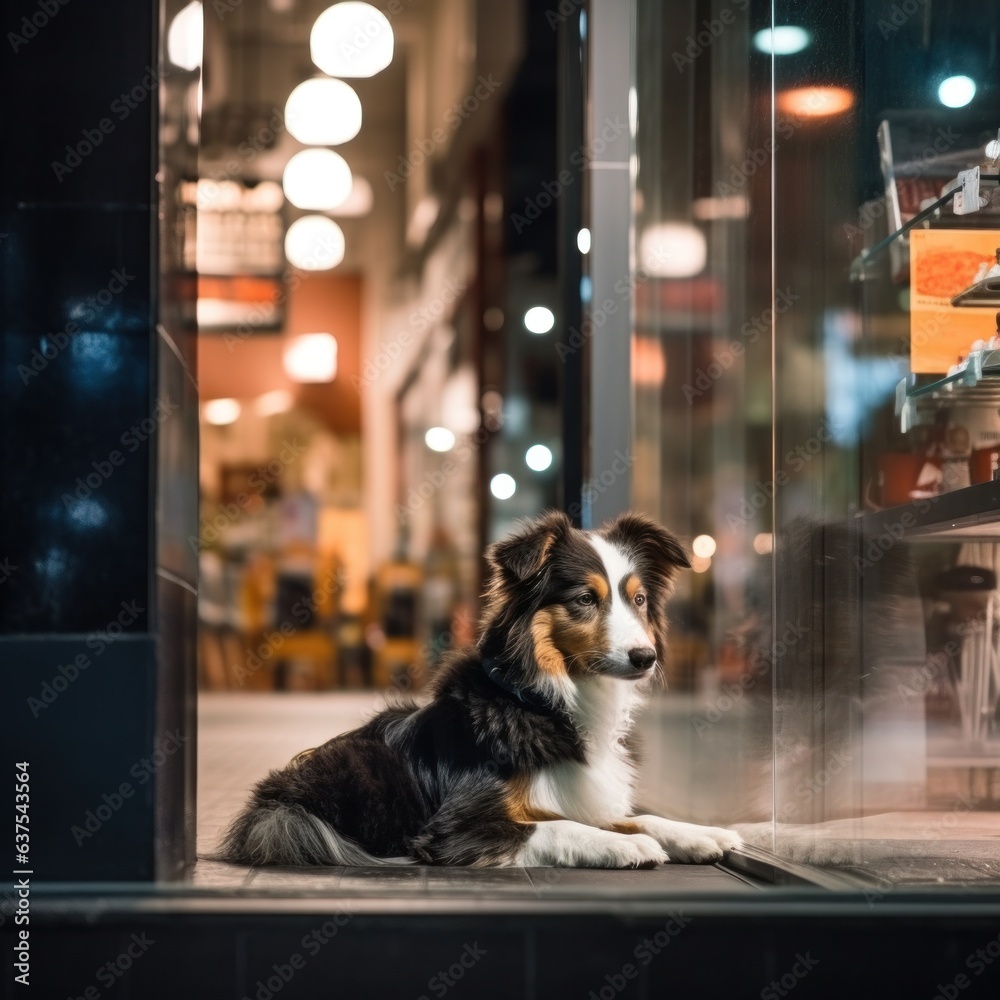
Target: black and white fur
524, 754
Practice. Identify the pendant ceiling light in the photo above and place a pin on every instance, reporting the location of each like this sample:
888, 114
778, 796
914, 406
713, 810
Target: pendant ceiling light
323, 112
221, 412
186, 37
311, 357
314, 243
317, 179
351, 39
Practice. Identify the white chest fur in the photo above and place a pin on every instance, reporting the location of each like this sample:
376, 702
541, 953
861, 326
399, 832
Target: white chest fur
599, 790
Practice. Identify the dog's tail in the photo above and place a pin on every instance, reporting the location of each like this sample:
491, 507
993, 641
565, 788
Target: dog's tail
272, 832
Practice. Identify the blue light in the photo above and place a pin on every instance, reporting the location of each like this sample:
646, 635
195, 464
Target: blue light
957, 91
96, 358
784, 40
86, 514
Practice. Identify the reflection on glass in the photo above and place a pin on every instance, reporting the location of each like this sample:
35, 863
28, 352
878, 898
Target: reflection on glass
824, 429
95, 359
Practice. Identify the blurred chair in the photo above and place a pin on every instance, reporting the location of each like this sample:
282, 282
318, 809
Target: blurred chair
396, 606
291, 604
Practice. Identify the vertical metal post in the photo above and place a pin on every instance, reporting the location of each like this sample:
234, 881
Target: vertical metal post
609, 323
572, 370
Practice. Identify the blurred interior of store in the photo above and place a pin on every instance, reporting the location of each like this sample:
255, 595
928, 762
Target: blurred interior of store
402, 350
366, 354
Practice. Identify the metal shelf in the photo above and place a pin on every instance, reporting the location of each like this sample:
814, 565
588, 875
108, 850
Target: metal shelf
976, 383
973, 512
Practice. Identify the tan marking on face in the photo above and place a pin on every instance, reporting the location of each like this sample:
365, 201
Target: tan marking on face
632, 587
577, 642
599, 585
517, 799
548, 657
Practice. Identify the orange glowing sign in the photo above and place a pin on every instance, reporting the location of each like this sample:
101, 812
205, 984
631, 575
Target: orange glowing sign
815, 102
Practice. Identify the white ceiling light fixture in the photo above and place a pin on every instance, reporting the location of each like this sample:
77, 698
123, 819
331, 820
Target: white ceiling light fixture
583, 241
539, 319
673, 250
538, 458
439, 439
704, 546
311, 357
314, 243
957, 91
323, 112
782, 40
503, 487
221, 411
186, 37
351, 39
317, 179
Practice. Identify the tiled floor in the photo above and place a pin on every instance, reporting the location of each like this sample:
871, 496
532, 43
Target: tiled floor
241, 736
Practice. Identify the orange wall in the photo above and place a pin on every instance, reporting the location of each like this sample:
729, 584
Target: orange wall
323, 303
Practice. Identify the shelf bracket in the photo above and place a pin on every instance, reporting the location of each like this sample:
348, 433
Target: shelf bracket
860, 263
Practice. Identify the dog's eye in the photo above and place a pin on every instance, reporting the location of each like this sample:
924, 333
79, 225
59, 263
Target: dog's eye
640, 600
587, 598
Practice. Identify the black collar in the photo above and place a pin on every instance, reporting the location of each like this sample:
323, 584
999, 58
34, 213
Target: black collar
499, 672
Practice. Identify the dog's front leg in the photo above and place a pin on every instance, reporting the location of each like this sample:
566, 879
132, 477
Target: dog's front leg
563, 843
682, 841
475, 829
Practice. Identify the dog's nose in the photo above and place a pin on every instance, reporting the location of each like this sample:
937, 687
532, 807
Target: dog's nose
642, 657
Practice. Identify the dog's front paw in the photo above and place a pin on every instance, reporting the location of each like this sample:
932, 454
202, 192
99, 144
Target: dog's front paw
565, 844
688, 842
633, 850
696, 849
728, 840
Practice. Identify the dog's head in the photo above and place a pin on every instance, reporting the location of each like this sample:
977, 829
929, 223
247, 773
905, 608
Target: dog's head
564, 604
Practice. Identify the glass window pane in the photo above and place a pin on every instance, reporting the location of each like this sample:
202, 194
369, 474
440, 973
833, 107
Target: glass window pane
816, 414
701, 370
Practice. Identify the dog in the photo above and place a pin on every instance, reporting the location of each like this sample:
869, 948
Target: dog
524, 754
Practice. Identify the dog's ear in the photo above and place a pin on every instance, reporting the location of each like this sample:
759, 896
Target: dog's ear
643, 536
521, 555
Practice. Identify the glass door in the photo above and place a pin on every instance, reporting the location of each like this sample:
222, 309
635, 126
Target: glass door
701, 299
886, 419
816, 294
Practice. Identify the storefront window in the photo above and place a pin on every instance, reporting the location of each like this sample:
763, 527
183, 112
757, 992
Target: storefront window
701, 364
815, 409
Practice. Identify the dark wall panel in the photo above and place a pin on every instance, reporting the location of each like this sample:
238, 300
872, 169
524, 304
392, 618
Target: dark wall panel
80, 712
76, 313
98, 435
